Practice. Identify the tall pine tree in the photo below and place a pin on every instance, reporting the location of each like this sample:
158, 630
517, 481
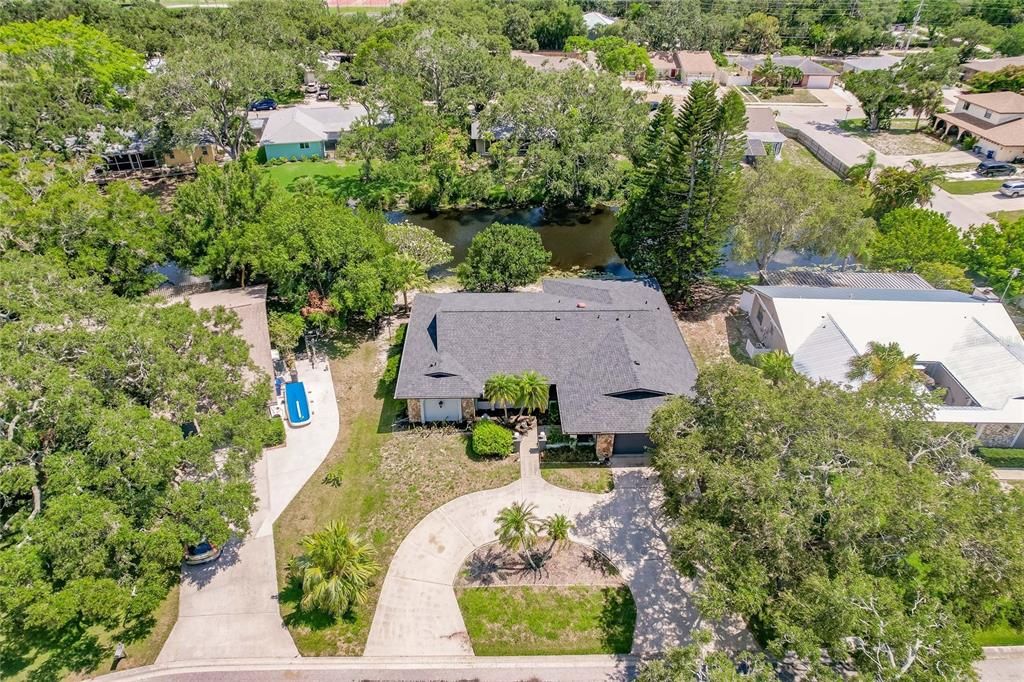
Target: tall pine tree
685, 191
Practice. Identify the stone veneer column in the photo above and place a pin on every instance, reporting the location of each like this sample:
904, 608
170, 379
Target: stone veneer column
415, 409
468, 409
998, 435
604, 445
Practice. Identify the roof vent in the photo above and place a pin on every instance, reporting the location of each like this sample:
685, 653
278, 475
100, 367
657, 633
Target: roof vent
581, 304
636, 362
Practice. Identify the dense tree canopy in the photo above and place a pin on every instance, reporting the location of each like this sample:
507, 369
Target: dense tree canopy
909, 237
99, 490
686, 190
790, 504
59, 80
995, 252
49, 208
788, 206
502, 257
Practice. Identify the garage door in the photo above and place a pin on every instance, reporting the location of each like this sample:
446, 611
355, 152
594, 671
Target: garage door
447, 410
631, 443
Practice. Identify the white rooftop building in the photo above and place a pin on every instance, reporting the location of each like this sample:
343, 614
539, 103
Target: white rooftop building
967, 345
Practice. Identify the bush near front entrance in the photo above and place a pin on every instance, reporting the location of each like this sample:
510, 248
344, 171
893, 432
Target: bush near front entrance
491, 439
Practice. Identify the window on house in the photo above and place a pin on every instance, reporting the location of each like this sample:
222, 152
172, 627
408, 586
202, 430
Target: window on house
303, 145
967, 105
988, 114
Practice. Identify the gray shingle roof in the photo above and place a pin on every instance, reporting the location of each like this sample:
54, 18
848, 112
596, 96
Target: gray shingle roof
611, 348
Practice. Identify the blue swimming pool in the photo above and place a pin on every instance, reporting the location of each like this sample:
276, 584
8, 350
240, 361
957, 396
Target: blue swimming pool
297, 404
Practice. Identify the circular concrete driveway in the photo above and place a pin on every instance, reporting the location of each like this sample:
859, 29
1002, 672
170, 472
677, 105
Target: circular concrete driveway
418, 615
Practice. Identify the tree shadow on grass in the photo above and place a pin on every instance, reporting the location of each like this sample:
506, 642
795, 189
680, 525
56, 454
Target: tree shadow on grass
618, 619
74, 650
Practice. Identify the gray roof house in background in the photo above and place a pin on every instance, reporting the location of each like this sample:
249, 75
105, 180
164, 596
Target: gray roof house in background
611, 349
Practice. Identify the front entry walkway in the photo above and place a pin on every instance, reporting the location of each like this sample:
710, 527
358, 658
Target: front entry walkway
228, 609
417, 614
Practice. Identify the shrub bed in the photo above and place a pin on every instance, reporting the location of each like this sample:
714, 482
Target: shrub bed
491, 439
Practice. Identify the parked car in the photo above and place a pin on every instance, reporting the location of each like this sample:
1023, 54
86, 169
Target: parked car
1012, 188
203, 553
265, 104
311, 88
995, 168
324, 93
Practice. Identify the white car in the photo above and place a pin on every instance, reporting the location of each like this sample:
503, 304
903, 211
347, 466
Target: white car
1013, 188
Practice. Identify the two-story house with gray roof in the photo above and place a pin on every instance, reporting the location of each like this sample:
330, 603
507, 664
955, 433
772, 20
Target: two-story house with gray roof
611, 350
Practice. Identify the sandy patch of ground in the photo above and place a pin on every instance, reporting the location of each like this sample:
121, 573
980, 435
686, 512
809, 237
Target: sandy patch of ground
494, 566
715, 329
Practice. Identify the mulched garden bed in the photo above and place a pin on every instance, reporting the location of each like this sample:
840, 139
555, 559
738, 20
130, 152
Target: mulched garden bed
494, 566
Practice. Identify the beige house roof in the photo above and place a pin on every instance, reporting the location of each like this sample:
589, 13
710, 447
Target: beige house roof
250, 304
761, 120
664, 61
999, 102
696, 62
549, 61
993, 65
1006, 135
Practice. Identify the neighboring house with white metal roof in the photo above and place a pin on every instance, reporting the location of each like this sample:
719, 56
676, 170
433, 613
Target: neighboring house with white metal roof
611, 350
595, 21
967, 345
994, 119
304, 131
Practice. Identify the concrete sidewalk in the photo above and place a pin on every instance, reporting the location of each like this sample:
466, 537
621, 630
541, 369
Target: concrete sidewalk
821, 125
418, 615
229, 609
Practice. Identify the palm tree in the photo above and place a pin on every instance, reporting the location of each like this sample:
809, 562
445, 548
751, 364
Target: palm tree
776, 366
923, 177
767, 72
884, 363
335, 569
557, 528
860, 174
502, 389
517, 529
533, 390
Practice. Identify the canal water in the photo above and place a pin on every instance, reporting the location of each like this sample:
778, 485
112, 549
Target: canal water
576, 239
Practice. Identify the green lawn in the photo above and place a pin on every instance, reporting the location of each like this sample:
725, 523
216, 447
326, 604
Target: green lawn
1000, 635
381, 484
1003, 458
590, 478
757, 95
971, 186
548, 621
797, 154
1007, 217
93, 654
900, 138
325, 173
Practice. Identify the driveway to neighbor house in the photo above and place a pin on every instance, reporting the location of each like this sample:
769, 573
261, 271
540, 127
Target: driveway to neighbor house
228, 609
821, 125
418, 615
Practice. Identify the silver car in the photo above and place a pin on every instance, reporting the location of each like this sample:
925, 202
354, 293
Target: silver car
1012, 188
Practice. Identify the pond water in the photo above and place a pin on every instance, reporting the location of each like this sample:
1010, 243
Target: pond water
576, 239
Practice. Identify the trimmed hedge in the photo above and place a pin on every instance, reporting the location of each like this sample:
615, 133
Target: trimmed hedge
491, 439
1006, 458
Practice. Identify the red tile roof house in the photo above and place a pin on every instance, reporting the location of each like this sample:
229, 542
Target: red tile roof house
994, 119
610, 348
815, 76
